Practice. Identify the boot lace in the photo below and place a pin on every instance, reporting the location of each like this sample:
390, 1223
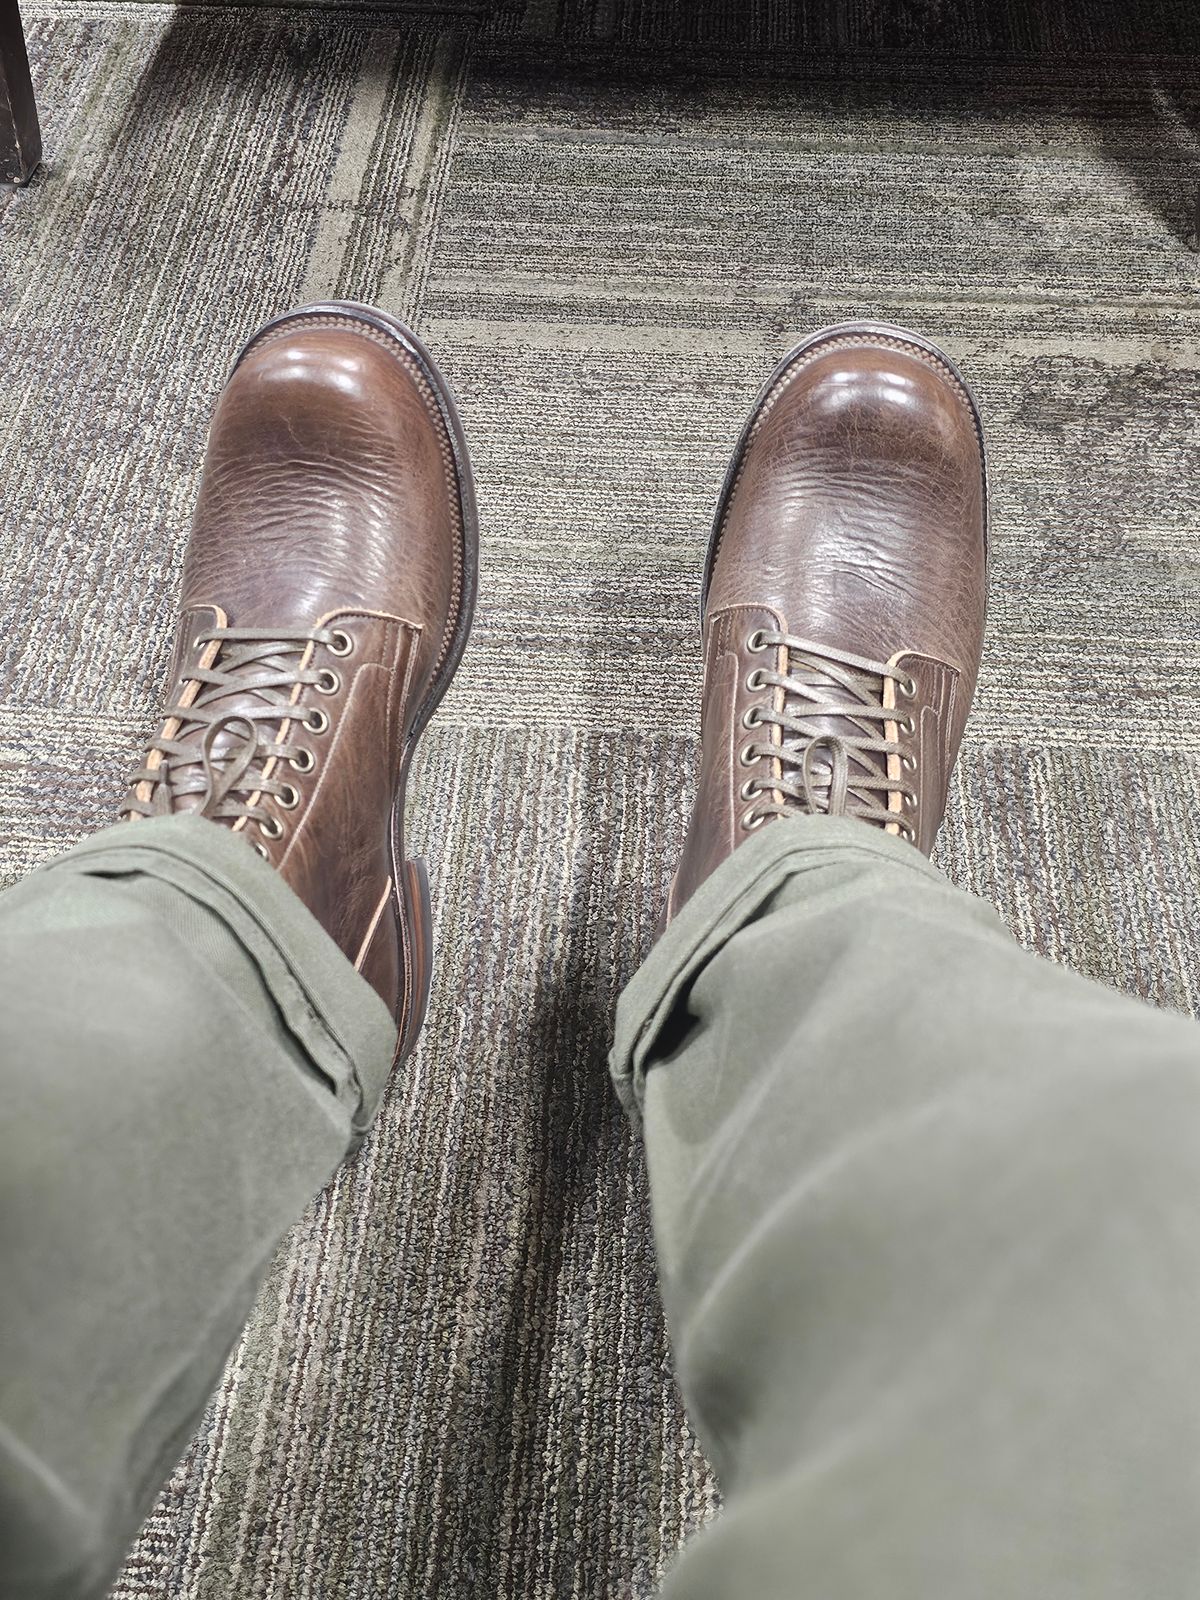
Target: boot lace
220, 753
841, 773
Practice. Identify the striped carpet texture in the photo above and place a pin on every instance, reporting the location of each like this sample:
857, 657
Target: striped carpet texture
609, 219
1066, 27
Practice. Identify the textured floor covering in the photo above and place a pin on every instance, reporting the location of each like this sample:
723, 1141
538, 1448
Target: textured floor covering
455, 1383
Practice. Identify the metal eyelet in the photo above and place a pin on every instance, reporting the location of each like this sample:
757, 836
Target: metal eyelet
260, 850
907, 726
909, 800
755, 680
749, 789
328, 681
198, 642
342, 643
748, 755
302, 761
271, 828
750, 718
909, 763
907, 687
288, 797
755, 642
752, 821
317, 721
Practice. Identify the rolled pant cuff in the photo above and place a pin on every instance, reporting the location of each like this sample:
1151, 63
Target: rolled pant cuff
729, 898
329, 1009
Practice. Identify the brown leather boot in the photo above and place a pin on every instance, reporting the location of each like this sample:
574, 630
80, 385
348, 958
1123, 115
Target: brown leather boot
327, 595
845, 595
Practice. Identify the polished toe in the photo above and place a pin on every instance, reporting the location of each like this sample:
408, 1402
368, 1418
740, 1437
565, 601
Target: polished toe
328, 455
858, 513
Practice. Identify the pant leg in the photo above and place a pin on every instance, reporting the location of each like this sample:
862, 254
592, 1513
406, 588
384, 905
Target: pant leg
185, 1057
928, 1220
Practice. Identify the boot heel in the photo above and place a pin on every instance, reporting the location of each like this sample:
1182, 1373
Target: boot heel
417, 928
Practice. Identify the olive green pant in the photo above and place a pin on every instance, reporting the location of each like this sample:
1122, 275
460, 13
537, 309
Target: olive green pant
926, 1212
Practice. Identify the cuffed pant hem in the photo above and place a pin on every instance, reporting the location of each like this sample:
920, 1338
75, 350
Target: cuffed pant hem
733, 895
334, 1016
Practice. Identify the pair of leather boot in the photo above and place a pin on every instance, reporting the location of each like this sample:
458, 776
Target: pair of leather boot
330, 580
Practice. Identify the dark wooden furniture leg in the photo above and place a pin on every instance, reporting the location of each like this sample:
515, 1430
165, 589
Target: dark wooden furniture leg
20, 138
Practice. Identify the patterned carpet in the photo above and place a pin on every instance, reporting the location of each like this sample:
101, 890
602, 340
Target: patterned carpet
609, 218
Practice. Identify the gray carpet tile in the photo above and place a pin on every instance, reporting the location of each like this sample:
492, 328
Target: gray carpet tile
456, 1381
1028, 27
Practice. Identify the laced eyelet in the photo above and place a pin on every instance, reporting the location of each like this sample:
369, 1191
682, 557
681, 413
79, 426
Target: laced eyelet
271, 828
755, 641
317, 721
755, 680
907, 726
302, 761
342, 643
328, 681
909, 763
907, 687
909, 800
288, 797
260, 850
752, 821
748, 755
198, 642
749, 789
750, 718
